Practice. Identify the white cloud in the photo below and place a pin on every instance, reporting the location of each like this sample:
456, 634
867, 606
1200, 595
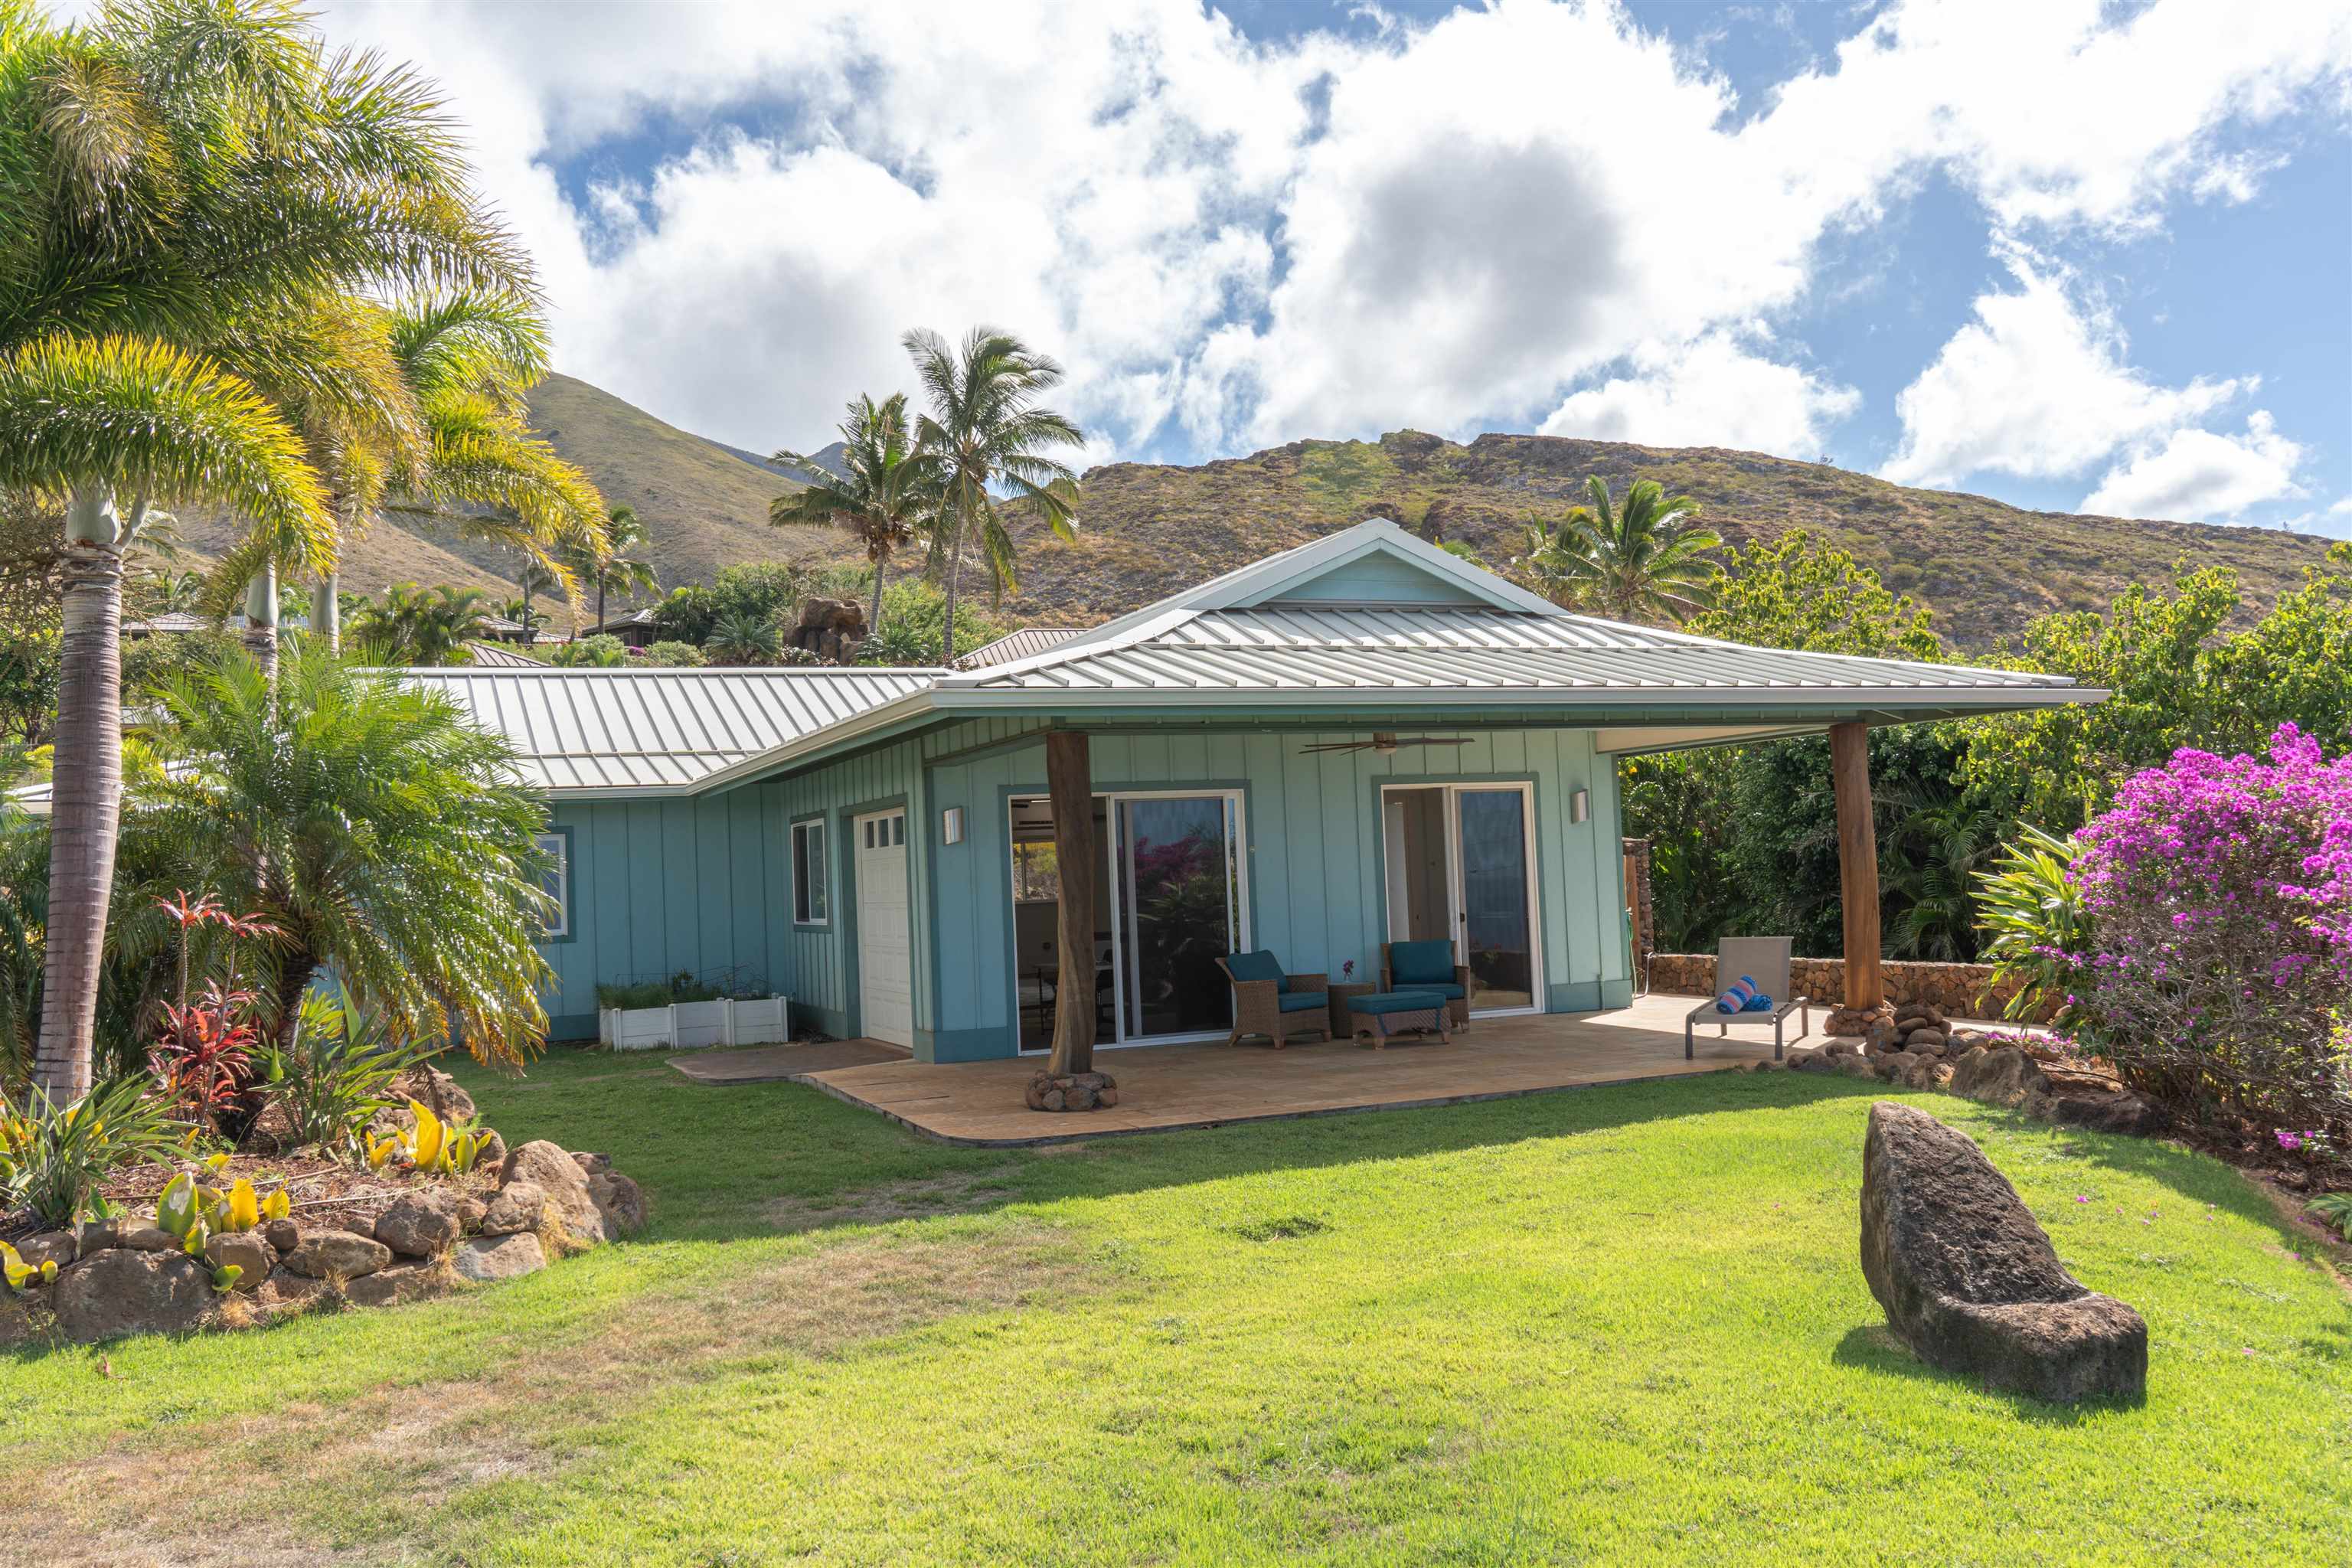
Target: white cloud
2036, 385
1455, 225
2197, 475
1711, 393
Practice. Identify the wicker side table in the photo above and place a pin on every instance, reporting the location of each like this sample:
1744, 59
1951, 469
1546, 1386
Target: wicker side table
1343, 1023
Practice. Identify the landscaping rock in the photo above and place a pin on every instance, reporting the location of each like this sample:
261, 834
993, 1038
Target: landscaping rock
401, 1282
1803, 1056
150, 1238
56, 1247
2003, 1076
339, 1254
1939, 1075
1968, 1279
288, 1287
490, 1153
1072, 1091
1921, 1073
1893, 1065
564, 1184
120, 1291
517, 1206
470, 1214
1925, 1039
2124, 1112
592, 1164
252, 1254
621, 1201
282, 1234
437, 1090
1856, 1067
1965, 1038
420, 1224
1855, 1022
98, 1234
489, 1258
1839, 1048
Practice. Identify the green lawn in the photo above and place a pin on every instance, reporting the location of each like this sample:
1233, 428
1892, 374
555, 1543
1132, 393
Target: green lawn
1622, 1325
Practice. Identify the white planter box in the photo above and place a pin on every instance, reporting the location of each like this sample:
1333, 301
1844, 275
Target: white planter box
691, 1026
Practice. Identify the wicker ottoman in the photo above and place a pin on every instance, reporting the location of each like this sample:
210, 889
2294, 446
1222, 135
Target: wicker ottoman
1385, 1013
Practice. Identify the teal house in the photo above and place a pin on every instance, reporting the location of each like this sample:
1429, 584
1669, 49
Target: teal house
1360, 740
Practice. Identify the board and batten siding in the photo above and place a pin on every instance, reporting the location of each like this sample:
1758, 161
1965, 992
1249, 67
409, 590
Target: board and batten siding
663, 886
704, 885
1316, 892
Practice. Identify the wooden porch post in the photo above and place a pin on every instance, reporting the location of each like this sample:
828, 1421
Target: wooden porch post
1857, 864
1069, 778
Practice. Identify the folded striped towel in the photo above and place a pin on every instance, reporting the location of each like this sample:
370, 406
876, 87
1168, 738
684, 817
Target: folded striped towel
1736, 1000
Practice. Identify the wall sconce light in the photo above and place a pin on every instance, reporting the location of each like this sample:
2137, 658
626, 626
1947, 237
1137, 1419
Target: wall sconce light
952, 826
1580, 805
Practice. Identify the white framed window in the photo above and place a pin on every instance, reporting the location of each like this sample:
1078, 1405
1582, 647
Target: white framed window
555, 881
808, 872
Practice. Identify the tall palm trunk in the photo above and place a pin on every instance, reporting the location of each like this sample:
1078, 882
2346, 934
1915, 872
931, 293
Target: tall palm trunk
327, 614
874, 621
599, 603
262, 621
85, 794
955, 574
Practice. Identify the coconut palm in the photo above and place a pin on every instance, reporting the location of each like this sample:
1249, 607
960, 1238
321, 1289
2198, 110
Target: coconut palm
1645, 560
985, 436
521, 613
740, 638
887, 495
173, 173
378, 828
609, 566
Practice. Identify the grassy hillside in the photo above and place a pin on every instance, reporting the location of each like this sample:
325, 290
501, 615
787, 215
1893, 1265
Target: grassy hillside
1985, 566
1151, 529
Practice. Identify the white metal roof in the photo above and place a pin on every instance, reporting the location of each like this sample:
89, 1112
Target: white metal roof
659, 732
1022, 644
500, 656
1306, 649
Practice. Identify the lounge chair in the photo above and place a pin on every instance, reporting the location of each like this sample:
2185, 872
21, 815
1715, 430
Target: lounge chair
1428, 966
1765, 960
1282, 1007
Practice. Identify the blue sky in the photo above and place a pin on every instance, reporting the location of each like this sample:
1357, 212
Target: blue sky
2077, 255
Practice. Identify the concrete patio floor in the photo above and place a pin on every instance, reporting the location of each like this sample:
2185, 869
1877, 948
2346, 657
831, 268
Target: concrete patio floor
1164, 1088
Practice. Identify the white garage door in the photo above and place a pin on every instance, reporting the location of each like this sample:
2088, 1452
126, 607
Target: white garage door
886, 960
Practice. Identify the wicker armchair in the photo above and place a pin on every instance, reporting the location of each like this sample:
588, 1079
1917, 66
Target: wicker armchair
1457, 993
1282, 1007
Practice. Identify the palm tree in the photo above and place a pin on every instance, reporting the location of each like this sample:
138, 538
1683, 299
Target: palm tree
378, 828
885, 497
1645, 560
611, 566
173, 175
534, 578
520, 613
985, 433
415, 626
740, 637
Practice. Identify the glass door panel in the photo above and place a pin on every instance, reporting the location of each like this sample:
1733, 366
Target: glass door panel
1177, 918
1496, 938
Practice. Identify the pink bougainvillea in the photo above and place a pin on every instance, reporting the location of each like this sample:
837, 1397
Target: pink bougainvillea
2220, 897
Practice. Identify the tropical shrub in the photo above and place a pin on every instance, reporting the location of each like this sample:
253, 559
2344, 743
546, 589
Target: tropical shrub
674, 655
602, 652
334, 1073
2031, 912
2335, 1208
430, 1146
2219, 966
203, 1055
53, 1157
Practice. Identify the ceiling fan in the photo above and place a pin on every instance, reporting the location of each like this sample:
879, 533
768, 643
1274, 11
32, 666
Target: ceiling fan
1384, 743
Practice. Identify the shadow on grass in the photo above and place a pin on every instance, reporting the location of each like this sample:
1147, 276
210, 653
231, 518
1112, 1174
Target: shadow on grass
1873, 1347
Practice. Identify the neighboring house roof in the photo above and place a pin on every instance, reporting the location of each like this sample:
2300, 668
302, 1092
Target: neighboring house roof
628, 622
497, 654
1022, 644
169, 621
662, 732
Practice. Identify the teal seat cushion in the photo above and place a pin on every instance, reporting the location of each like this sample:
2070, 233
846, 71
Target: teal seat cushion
1420, 963
1303, 1001
1450, 991
1422, 1001
1258, 965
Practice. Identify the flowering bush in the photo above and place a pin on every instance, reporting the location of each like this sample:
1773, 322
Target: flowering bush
2217, 963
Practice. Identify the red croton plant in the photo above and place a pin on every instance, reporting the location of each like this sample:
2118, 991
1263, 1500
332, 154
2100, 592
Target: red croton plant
203, 1057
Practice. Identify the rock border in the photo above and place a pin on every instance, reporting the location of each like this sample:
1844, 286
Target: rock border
1916, 1046
124, 1277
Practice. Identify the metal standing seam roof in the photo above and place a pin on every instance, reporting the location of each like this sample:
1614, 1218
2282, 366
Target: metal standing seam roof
1026, 643
1301, 647
498, 656
613, 732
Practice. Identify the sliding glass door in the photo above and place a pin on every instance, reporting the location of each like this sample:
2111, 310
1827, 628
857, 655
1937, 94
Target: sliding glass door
1178, 914
1170, 902
1460, 866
